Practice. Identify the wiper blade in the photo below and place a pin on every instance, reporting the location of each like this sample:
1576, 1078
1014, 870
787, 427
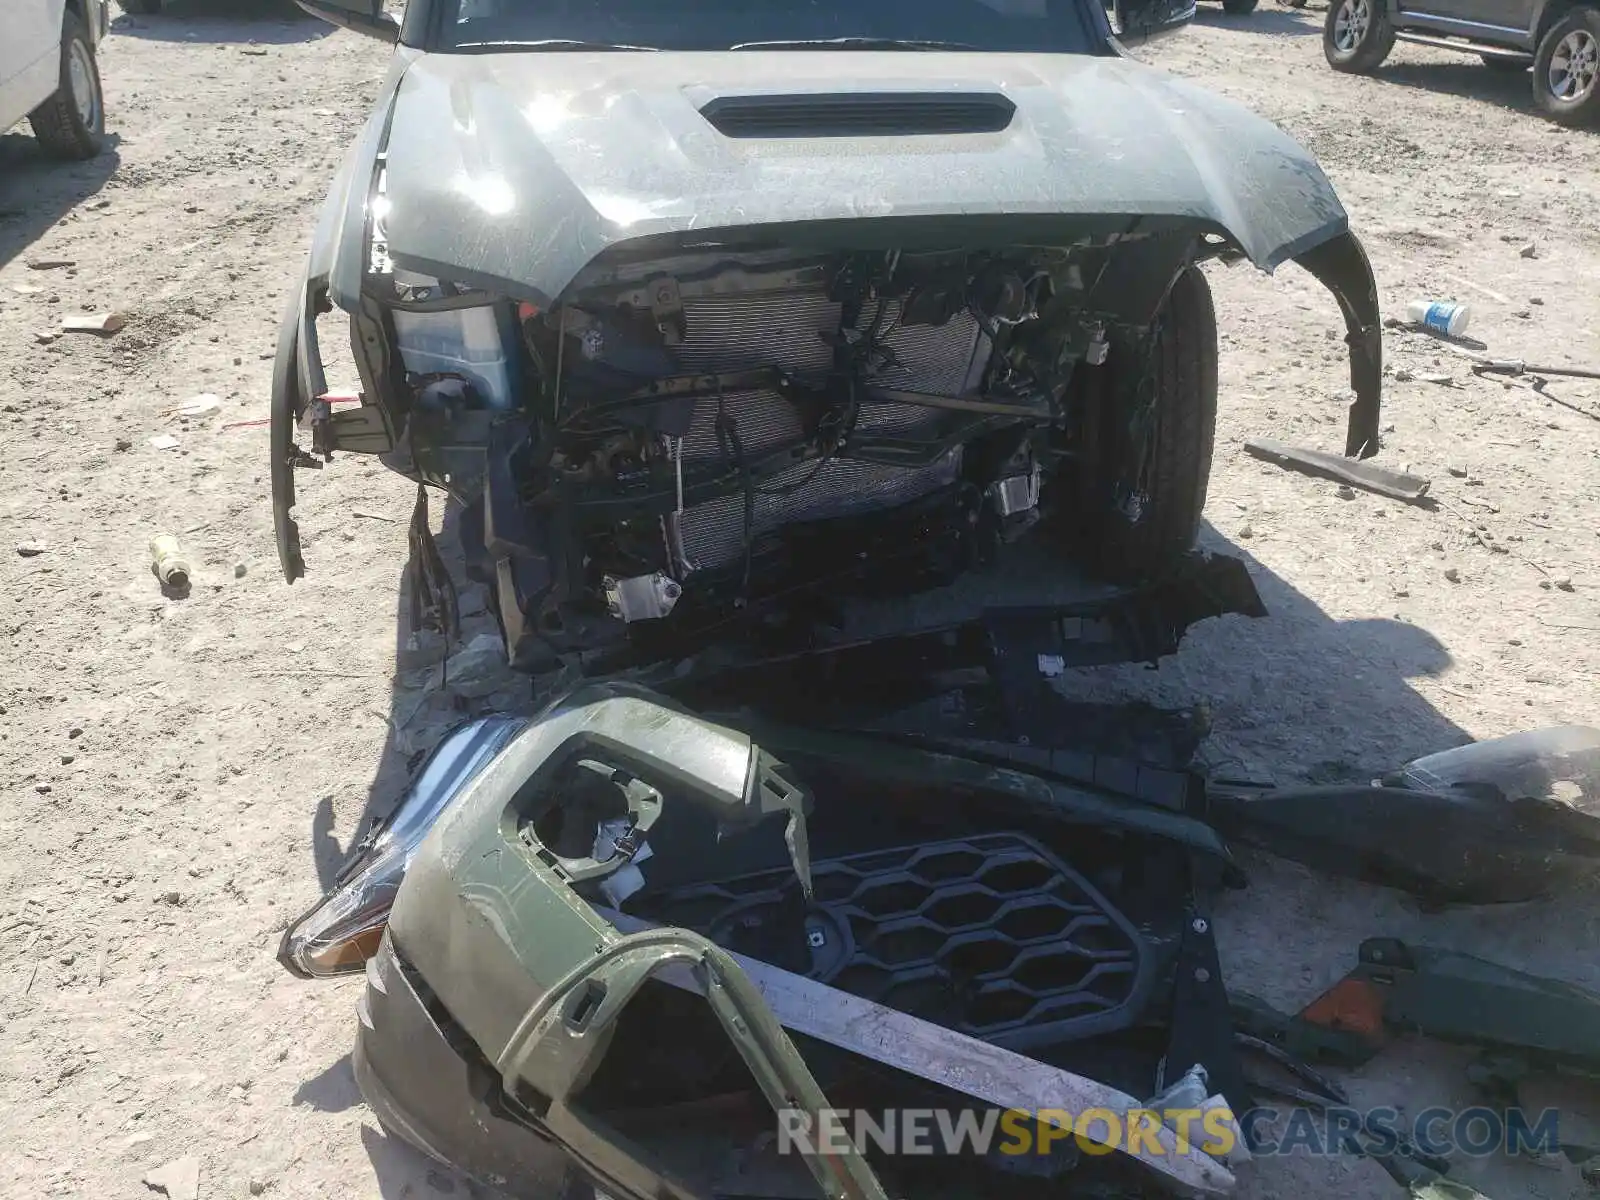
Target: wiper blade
853, 43
546, 44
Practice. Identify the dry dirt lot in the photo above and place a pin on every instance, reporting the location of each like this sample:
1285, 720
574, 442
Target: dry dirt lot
177, 777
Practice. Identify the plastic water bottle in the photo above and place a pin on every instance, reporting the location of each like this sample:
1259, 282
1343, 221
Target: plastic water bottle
169, 561
1441, 316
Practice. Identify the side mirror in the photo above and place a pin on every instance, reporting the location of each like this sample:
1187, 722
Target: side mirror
363, 16
1138, 21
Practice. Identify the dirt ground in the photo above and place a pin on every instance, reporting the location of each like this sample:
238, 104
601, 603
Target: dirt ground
178, 776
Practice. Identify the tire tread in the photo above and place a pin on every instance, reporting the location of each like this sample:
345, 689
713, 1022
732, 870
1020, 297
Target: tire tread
1185, 382
55, 122
1373, 49
1585, 111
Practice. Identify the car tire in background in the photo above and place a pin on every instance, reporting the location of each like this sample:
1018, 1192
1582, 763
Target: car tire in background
141, 8
1357, 35
1506, 66
1170, 468
1566, 69
1239, 8
72, 123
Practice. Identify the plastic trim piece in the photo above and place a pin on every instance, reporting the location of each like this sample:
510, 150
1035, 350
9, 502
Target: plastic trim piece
1340, 264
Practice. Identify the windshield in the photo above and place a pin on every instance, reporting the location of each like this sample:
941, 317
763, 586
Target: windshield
1023, 26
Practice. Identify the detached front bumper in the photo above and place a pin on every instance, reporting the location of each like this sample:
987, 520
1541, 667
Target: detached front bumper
534, 1002
429, 1092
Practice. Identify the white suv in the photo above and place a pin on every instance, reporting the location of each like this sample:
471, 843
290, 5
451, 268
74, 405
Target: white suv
49, 75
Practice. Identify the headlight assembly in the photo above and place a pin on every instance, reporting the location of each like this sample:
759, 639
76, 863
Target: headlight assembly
343, 930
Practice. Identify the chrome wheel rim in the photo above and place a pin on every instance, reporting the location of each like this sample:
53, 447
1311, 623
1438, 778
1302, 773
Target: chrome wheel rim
1350, 26
80, 77
1574, 66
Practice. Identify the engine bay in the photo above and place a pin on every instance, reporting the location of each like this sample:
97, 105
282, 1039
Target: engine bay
807, 389
694, 438
735, 438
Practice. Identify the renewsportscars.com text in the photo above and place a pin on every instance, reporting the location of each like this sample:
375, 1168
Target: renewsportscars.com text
1474, 1132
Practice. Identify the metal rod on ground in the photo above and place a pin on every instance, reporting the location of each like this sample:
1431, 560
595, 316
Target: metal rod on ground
1515, 366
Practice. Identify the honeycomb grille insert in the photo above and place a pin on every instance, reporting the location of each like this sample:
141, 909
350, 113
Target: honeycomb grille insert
992, 936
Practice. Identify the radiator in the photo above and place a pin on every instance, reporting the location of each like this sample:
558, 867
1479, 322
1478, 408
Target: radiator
712, 535
791, 330
794, 330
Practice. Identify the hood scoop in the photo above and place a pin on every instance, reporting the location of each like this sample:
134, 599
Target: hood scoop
859, 114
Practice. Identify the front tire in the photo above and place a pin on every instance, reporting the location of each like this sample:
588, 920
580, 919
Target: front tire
1357, 35
1239, 8
1566, 69
1147, 488
72, 123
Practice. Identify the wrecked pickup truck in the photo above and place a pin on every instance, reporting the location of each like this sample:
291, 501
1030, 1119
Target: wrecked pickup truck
706, 317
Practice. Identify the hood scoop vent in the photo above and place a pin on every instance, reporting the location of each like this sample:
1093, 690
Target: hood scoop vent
859, 114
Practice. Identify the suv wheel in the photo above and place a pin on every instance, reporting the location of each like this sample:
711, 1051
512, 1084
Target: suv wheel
1239, 8
1357, 36
1566, 69
1139, 506
72, 123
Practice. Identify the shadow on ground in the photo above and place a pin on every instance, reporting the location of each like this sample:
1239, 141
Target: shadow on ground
1469, 79
325, 848
264, 22
36, 191
1303, 697
1583, 408
333, 1091
1278, 22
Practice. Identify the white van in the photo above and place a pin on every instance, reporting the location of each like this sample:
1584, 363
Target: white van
49, 75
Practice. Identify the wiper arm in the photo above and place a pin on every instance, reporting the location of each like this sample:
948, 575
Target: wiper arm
545, 44
853, 43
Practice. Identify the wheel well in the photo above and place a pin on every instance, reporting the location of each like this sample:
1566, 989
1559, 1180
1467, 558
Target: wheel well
1553, 12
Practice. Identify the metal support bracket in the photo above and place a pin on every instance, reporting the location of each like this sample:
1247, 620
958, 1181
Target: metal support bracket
1201, 1030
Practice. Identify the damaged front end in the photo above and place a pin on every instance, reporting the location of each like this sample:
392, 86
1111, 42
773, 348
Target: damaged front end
732, 414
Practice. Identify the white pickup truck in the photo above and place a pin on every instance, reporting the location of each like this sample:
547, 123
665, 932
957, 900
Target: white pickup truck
48, 72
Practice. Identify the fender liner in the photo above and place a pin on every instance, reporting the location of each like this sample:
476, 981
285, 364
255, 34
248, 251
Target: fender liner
1340, 264
296, 379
